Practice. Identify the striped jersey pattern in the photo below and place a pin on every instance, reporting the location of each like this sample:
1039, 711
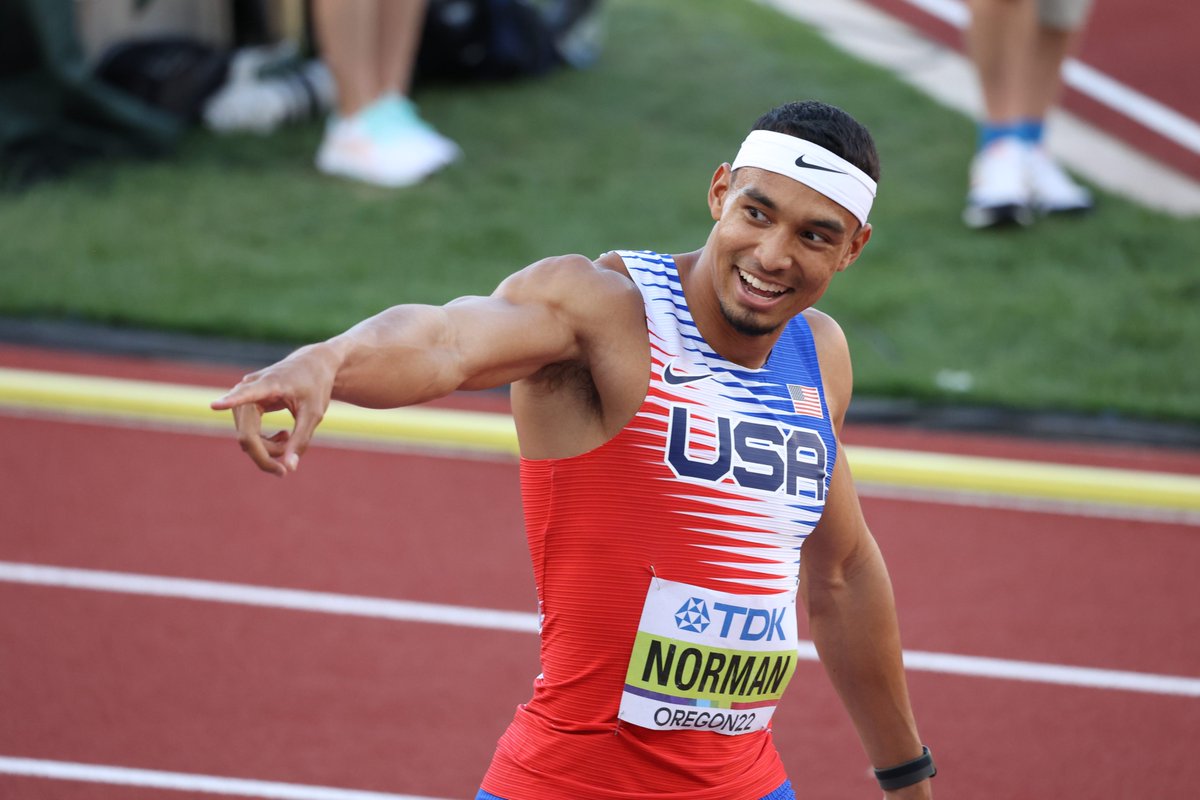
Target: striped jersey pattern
716, 482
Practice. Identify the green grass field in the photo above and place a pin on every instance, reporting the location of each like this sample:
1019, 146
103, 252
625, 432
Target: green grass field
240, 237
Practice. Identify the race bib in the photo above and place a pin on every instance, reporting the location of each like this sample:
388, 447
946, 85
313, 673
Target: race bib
709, 661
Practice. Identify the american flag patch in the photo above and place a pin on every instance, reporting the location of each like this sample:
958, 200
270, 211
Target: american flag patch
806, 400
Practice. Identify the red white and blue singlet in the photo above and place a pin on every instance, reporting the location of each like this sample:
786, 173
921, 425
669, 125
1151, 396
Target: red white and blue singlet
667, 564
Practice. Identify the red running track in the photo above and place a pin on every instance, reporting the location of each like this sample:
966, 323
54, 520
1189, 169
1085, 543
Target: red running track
414, 708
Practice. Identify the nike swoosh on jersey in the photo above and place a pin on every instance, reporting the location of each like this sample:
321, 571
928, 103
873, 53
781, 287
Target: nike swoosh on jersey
678, 379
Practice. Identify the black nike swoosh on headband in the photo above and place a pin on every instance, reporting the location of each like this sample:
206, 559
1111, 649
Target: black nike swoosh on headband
800, 162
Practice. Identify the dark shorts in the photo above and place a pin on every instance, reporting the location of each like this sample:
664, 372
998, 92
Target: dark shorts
1067, 15
784, 792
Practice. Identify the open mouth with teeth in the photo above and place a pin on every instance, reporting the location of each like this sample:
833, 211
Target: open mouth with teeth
760, 288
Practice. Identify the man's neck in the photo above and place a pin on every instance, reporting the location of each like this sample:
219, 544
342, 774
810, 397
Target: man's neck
695, 275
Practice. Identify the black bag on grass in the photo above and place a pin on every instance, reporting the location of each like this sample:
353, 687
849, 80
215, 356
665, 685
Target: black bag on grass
174, 73
504, 39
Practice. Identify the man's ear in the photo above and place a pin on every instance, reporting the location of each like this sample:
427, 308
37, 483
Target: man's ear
718, 190
856, 246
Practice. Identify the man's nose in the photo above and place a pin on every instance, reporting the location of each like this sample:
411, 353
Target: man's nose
775, 251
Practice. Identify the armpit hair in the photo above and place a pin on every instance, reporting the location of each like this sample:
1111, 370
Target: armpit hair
568, 376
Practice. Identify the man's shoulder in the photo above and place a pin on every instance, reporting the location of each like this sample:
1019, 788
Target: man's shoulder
594, 297
833, 353
827, 333
574, 405
573, 270
565, 281
613, 261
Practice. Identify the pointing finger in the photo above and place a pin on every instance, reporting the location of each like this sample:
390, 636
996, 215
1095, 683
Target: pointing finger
238, 395
252, 389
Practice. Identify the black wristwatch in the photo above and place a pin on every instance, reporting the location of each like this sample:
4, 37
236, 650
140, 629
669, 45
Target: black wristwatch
908, 773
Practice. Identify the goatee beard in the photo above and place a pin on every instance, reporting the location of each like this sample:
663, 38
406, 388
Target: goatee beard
744, 322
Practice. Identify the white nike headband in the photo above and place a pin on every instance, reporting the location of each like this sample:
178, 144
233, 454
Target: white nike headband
812, 165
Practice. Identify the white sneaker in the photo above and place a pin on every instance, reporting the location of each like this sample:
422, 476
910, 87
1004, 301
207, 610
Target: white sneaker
267, 87
263, 105
1000, 193
384, 147
1053, 190
398, 114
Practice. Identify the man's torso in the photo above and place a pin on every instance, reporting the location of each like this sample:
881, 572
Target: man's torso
707, 493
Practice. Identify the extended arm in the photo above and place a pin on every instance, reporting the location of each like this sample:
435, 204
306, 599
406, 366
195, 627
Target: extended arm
545, 314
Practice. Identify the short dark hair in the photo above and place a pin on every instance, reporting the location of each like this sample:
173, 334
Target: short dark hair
827, 126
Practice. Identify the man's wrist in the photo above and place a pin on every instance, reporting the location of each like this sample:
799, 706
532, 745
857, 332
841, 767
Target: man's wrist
908, 773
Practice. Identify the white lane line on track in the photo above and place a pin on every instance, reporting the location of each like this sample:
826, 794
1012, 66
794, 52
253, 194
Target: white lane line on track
185, 782
268, 597
401, 610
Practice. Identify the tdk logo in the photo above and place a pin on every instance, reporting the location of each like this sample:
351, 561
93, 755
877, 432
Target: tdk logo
745, 624
693, 616
758, 455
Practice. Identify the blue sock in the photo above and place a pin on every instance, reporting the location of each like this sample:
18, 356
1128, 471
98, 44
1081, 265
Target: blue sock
991, 132
1030, 130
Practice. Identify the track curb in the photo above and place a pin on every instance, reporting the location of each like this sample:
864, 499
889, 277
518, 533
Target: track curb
149, 402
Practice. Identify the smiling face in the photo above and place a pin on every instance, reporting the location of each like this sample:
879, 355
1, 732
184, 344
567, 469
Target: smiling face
776, 245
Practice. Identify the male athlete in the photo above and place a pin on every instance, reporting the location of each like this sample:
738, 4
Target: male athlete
678, 420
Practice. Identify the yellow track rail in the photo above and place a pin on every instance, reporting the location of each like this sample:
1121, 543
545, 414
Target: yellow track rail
145, 401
